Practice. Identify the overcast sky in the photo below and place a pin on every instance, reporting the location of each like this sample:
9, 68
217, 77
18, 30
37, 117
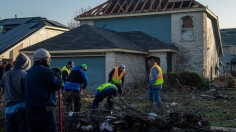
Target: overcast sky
64, 10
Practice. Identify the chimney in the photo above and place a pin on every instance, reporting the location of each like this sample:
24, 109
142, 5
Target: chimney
15, 16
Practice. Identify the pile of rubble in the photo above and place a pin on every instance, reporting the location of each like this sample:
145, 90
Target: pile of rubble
130, 119
214, 94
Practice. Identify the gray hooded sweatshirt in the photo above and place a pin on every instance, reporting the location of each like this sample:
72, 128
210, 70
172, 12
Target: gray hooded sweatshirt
13, 81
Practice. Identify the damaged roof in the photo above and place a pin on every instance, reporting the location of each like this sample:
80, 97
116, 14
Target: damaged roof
228, 36
89, 37
117, 7
16, 29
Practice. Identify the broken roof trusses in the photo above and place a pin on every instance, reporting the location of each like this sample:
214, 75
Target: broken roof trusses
114, 7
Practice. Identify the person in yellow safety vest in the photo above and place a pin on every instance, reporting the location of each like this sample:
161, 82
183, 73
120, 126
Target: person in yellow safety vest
106, 90
155, 83
116, 77
66, 71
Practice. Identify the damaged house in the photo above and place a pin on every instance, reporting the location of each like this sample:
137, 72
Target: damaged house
187, 24
181, 35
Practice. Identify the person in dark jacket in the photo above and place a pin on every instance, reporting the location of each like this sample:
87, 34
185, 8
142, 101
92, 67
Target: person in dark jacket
76, 82
117, 77
106, 90
13, 83
2, 68
41, 86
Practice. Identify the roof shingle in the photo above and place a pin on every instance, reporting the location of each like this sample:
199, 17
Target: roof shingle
89, 37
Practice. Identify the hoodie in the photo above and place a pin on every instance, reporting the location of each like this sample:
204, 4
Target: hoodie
13, 81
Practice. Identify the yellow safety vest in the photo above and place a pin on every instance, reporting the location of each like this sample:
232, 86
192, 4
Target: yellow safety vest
116, 78
64, 68
159, 79
105, 85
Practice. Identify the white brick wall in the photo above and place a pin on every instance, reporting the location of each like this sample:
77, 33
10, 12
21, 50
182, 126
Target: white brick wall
192, 50
211, 59
200, 54
135, 66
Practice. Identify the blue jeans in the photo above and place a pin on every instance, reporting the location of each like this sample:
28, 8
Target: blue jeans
17, 122
154, 95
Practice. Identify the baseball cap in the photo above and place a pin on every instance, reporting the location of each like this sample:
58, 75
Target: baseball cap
84, 66
71, 63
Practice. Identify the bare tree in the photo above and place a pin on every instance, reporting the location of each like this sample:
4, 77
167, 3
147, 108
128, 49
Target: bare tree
73, 23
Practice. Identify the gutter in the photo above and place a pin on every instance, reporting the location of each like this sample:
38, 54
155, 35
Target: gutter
162, 50
89, 51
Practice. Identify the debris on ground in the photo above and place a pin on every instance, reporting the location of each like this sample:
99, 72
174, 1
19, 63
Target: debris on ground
214, 94
132, 119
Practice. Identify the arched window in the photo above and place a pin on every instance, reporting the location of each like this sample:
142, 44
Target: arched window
187, 28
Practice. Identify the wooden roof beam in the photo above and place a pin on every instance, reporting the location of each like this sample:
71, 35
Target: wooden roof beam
181, 5
115, 6
159, 5
127, 9
136, 5
190, 3
143, 6
166, 5
109, 5
121, 7
151, 6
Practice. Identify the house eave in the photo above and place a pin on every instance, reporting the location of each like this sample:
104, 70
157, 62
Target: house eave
56, 28
162, 50
140, 14
89, 51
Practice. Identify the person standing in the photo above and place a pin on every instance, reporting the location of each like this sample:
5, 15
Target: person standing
117, 77
41, 86
155, 83
13, 83
66, 70
76, 82
2, 68
106, 90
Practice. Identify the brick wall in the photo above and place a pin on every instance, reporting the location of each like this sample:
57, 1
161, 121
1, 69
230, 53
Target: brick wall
211, 59
190, 52
135, 66
199, 55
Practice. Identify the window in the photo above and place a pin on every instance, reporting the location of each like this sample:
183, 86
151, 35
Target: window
187, 29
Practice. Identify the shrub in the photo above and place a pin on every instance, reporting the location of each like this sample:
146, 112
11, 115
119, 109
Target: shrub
192, 79
229, 79
171, 78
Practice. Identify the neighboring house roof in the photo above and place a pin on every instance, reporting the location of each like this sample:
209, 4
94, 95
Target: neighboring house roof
89, 37
16, 29
117, 7
228, 36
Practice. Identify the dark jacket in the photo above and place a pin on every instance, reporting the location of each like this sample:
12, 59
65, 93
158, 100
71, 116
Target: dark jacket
13, 81
14, 86
41, 85
1, 72
111, 74
78, 76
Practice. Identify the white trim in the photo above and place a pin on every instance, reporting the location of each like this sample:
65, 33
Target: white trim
141, 14
162, 50
56, 28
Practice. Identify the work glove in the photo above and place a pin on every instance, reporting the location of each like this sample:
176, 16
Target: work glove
57, 71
